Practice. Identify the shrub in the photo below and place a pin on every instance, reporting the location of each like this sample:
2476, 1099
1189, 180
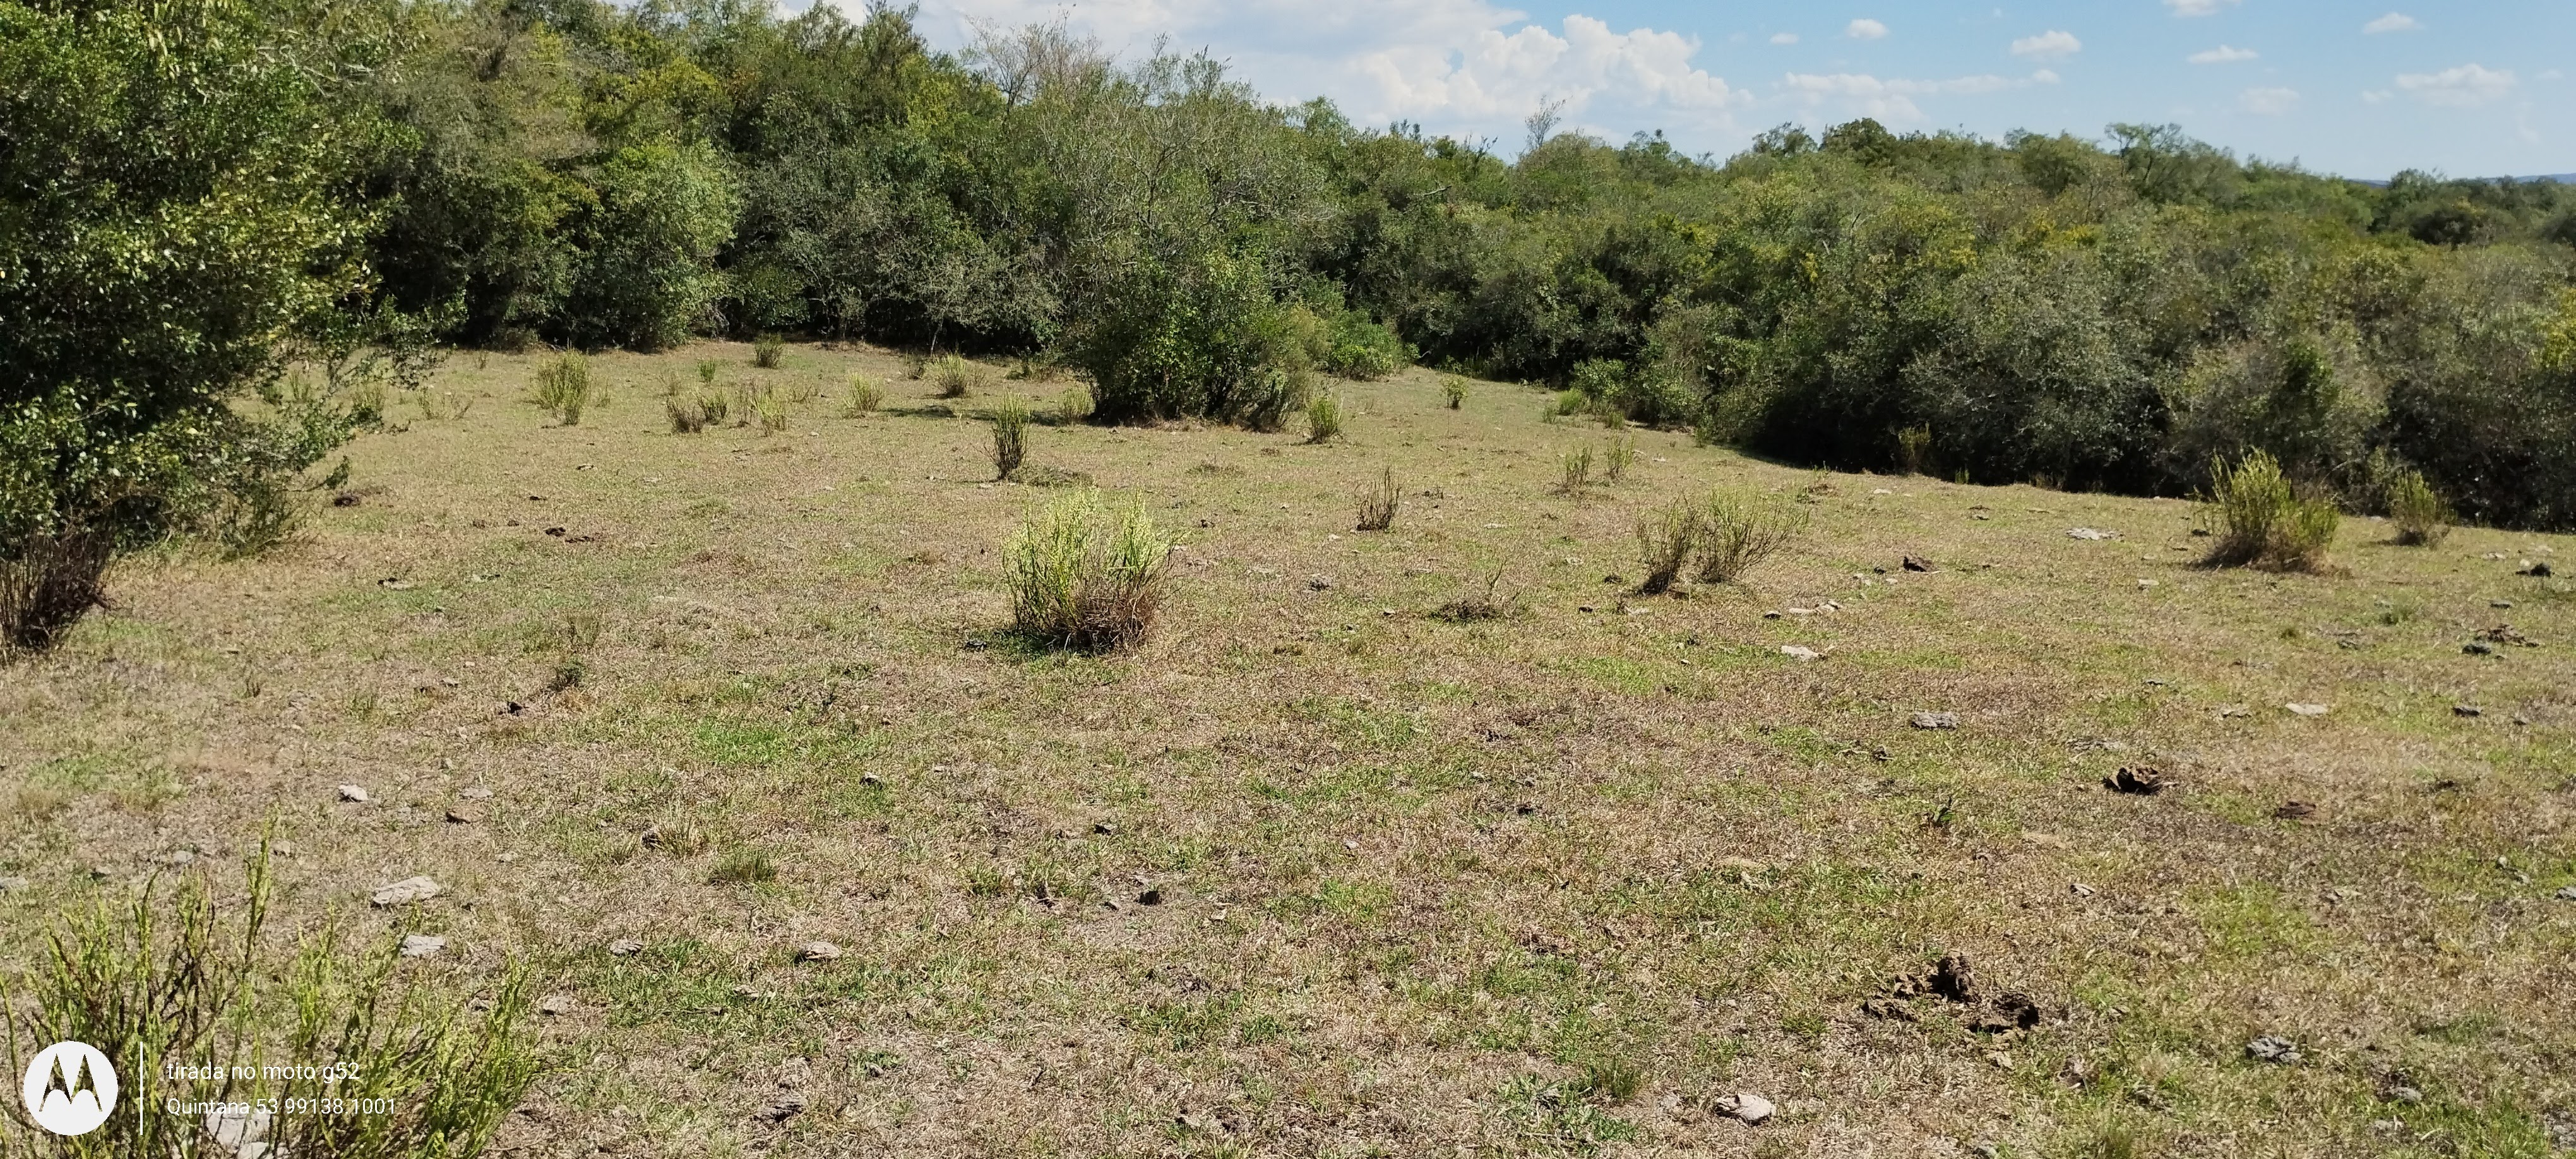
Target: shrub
1453, 391
768, 351
1665, 538
1378, 504
1574, 471
955, 377
1323, 417
1074, 405
865, 396
1010, 436
1358, 348
563, 387
172, 984
1621, 455
687, 417
1739, 530
1186, 327
2422, 518
2259, 519
1086, 577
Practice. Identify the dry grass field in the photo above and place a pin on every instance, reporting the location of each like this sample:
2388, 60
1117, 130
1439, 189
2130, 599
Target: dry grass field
1317, 871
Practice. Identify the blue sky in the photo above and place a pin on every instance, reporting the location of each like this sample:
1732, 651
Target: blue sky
2463, 87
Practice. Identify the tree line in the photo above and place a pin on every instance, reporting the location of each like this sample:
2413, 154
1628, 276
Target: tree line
198, 195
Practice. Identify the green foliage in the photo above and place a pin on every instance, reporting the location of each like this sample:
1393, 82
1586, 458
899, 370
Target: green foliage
1086, 577
716, 405
1453, 391
562, 387
2422, 518
1323, 417
170, 979
2259, 519
660, 213
1739, 529
1010, 436
766, 405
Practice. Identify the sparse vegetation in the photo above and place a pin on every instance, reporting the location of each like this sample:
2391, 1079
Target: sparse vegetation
866, 397
2422, 518
717, 406
1666, 537
1574, 471
688, 416
1739, 530
765, 406
1379, 503
1010, 436
2258, 519
1616, 458
1323, 417
1481, 605
1087, 576
743, 865
562, 387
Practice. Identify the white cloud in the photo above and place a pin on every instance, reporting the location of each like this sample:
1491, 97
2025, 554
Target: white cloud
2268, 102
2199, 7
1893, 99
1784, 38
1465, 67
2050, 45
2464, 87
2223, 55
2393, 22
1865, 29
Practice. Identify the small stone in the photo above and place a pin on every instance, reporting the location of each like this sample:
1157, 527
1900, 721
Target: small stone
1152, 896
2140, 781
422, 945
2567, 894
354, 793
1321, 583
477, 794
460, 815
1800, 652
1918, 563
2080, 889
2089, 534
2407, 1095
2306, 709
2501, 605
1934, 720
818, 952
406, 892
2295, 811
555, 1004
1105, 828
2478, 648
1746, 1107
13, 884
2536, 570
2279, 1051
1984, 1149
787, 1107
625, 948
2467, 710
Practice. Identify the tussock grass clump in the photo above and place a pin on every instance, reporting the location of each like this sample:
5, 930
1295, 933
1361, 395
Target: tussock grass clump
1453, 391
688, 416
443, 405
2259, 520
48, 583
177, 983
717, 406
955, 377
708, 369
2422, 518
1378, 504
1086, 577
743, 865
866, 397
1323, 417
1738, 530
1914, 450
768, 408
1484, 605
1618, 457
1574, 471
1074, 405
768, 352
563, 388
1010, 437
1665, 538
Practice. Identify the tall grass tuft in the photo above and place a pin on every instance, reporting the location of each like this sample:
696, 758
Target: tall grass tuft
2422, 518
1620, 455
2259, 519
48, 583
1378, 504
177, 983
1738, 530
766, 406
1074, 405
866, 397
563, 387
768, 352
1086, 577
716, 405
1665, 539
1453, 391
688, 416
1323, 417
955, 377
1914, 450
1010, 436
1574, 471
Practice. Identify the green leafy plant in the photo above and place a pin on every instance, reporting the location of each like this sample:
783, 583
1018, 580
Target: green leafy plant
175, 983
716, 405
708, 369
743, 865
1914, 450
1323, 417
1453, 391
2258, 518
1740, 529
1010, 436
1086, 577
1666, 537
1379, 503
562, 387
